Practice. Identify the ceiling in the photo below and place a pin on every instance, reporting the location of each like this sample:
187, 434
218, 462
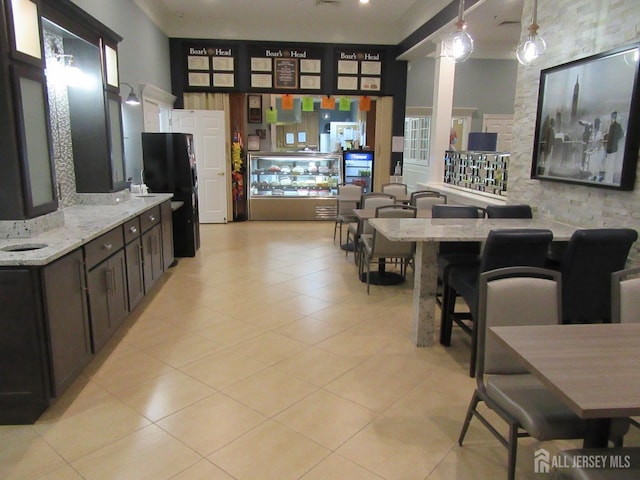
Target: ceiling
494, 24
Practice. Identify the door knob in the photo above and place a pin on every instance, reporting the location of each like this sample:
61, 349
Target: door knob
221, 174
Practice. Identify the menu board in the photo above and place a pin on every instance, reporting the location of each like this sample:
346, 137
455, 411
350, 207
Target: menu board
285, 68
359, 70
211, 67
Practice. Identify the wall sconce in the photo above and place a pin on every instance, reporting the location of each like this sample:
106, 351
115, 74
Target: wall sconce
532, 45
62, 70
132, 98
458, 45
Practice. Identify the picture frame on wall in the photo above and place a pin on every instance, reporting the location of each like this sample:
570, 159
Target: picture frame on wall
588, 120
254, 108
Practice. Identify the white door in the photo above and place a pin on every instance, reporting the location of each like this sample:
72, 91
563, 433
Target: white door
503, 126
208, 129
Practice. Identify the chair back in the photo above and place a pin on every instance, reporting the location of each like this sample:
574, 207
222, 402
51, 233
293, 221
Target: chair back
426, 199
381, 245
509, 211
371, 201
592, 255
510, 297
625, 296
348, 198
515, 247
395, 188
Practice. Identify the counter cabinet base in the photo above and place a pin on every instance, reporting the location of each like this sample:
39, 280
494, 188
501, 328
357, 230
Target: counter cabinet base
316, 208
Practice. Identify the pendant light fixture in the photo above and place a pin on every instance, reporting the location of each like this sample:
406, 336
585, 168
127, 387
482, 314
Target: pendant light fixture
132, 98
458, 45
532, 45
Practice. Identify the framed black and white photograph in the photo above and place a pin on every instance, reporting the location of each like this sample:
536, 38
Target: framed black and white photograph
588, 121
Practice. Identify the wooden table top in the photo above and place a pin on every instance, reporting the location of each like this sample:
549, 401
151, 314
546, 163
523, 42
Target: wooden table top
594, 369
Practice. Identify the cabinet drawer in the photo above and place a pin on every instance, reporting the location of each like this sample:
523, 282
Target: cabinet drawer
103, 246
150, 218
131, 230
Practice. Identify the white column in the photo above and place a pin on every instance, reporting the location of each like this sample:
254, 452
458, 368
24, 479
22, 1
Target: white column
441, 119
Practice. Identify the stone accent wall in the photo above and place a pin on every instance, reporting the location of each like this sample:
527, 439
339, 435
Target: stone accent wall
573, 29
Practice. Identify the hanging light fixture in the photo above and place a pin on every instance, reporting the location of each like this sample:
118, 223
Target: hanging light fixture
132, 98
458, 45
532, 45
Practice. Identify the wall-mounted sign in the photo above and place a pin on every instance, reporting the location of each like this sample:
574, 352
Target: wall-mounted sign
205, 63
290, 69
358, 70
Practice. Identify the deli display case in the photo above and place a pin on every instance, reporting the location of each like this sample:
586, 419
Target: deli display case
293, 185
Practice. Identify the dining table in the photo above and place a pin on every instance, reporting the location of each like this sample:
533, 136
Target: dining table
592, 368
428, 233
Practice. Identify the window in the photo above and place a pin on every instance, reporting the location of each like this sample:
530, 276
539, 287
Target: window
416, 140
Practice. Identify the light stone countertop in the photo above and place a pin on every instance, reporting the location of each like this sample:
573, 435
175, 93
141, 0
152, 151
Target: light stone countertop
82, 223
460, 229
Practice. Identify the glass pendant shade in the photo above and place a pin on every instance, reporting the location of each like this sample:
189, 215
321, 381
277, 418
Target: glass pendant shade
531, 47
458, 45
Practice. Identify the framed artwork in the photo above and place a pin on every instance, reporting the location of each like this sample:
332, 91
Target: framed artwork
254, 108
588, 121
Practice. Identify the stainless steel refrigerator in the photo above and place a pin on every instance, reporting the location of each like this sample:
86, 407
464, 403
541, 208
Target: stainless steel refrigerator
170, 167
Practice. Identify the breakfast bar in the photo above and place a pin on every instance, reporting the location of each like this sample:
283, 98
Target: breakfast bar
428, 233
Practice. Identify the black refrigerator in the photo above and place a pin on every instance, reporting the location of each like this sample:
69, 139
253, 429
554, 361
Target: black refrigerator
170, 167
357, 168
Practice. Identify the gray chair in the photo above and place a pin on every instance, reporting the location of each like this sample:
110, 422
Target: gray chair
507, 388
368, 201
348, 199
394, 189
377, 246
625, 296
426, 199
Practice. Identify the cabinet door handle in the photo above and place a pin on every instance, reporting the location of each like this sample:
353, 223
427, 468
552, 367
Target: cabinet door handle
107, 246
108, 278
83, 285
140, 256
152, 218
133, 229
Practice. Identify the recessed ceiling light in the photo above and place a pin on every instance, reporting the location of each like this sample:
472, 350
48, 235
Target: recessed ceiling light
364, 1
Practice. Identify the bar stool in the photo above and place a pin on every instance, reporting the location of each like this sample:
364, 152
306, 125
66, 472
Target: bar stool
591, 257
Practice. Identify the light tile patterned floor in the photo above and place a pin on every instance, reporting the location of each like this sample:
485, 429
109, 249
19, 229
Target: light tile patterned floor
264, 358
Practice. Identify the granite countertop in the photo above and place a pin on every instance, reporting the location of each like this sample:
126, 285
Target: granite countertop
82, 223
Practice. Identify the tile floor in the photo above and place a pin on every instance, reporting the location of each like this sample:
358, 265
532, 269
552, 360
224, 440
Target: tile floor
263, 358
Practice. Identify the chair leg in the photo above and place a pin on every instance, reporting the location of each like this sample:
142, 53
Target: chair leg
474, 350
446, 312
513, 451
335, 227
467, 420
368, 260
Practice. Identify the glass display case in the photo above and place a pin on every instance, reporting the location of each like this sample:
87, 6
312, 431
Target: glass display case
293, 186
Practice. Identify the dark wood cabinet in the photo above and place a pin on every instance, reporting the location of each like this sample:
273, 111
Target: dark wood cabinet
152, 256
166, 215
67, 319
107, 298
24, 379
133, 256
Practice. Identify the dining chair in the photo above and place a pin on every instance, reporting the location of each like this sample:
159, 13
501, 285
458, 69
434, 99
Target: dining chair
516, 247
399, 189
591, 257
368, 201
377, 246
509, 211
426, 199
348, 199
516, 296
453, 253
625, 296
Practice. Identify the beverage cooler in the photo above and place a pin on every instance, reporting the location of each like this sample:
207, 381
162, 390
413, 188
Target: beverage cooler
357, 166
293, 186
